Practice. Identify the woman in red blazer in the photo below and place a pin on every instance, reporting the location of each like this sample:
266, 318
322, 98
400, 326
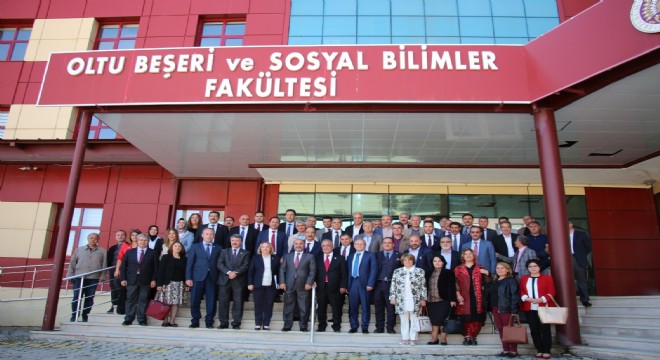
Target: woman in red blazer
536, 289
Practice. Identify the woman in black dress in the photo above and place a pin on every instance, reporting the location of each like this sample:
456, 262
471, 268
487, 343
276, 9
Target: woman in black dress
171, 281
441, 285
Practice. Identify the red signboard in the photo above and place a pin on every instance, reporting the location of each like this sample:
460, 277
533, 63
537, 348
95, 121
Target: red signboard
286, 74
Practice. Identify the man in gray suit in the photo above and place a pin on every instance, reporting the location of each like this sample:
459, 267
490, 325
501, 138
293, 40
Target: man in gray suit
374, 241
296, 278
232, 280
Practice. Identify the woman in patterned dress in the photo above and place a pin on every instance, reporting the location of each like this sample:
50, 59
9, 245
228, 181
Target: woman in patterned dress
170, 281
408, 295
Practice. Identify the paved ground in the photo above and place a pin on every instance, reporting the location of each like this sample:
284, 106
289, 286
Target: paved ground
15, 344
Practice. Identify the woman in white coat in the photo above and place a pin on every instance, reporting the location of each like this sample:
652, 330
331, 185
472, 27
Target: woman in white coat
408, 295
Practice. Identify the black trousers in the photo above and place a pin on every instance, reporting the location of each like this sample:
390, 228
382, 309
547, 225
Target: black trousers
333, 298
382, 303
115, 287
580, 275
234, 291
541, 335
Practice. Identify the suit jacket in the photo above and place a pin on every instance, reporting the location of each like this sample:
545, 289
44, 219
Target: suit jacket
316, 248
434, 239
297, 278
486, 258
446, 284
351, 250
221, 234
336, 273
283, 228
519, 265
499, 244
349, 230
581, 248
455, 258
490, 234
280, 241
330, 236
148, 267
263, 226
387, 266
226, 263
200, 265
319, 233
462, 239
250, 237
376, 242
256, 270
158, 247
546, 287
407, 232
367, 271
420, 260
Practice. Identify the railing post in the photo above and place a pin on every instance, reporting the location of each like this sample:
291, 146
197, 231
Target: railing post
79, 303
312, 308
34, 277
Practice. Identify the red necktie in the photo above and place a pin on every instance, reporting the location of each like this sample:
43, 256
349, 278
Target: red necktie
327, 266
141, 256
272, 240
343, 252
258, 227
296, 262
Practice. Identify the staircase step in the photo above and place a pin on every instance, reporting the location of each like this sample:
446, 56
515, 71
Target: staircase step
652, 332
625, 310
597, 352
631, 320
618, 342
624, 301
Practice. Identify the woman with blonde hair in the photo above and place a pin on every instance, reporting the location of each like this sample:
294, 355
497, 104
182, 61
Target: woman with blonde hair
263, 267
408, 295
171, 236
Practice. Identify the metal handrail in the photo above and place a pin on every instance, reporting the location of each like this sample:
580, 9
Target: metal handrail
87, 273
82, 286
34, 272
313, 307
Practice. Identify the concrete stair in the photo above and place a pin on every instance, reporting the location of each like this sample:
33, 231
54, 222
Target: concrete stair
107, 327
621, 327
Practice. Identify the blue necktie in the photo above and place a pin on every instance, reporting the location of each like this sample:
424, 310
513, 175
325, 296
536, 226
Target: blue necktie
356, 265
288, 230
208, 250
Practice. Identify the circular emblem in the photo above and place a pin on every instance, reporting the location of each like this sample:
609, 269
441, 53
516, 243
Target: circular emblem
645, 16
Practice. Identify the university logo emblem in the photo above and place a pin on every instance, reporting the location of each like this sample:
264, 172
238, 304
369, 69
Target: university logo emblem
645, 16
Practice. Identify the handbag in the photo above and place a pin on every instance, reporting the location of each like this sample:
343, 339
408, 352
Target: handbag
514, 333
553, 315
157, 309
424, 320
453, 325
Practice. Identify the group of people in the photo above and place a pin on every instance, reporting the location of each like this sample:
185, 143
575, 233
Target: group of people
399, 267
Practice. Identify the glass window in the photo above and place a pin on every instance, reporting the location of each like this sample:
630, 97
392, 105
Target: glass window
305, 40
476, 26
84, 222
306, 25
228, 32
373, 7
473, 7
508, 8
541, 8
338, 40
374, 40
441, 8
13, 43
306, 7
99, 130
116, 36
442, 26
4, 116
443, 40
538, 26
302, 203
340, 7
339, 26
371, 205
420, 204
407, 7
510, 27
333, 204
408, 40
511, 41
408, 26
374, 26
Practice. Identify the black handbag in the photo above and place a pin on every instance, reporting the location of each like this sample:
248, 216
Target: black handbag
453, 324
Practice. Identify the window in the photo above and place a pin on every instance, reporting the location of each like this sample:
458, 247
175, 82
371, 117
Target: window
4, 115
84, 222
222, 33
99, 130
13, 43
116, 36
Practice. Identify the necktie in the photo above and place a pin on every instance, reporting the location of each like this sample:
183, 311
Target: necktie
428, 241
272, 240
336, 238
208, 250
296, 262
212, 226
356, 265
258, 227
388, 255
327, 266
141, 256
309, 247
235, 254
343, 252
455, 243
476, 248
243, 232
288, 230
485, 232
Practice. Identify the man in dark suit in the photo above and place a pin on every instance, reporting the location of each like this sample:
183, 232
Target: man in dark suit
345, 248
452, 257
331, 285
362, 272
484, 250
220, 231
327, 226
201, 277
580, 248
297, 273
505, 243
356, 228
138, 275
311, 245
429, 240
274, 236
248, 234
388, 260
458, 239
289, 224
335, 233
486, 232
418, 251
259, 224
233, 264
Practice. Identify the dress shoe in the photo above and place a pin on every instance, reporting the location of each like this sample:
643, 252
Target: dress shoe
257, 328
193, 326
586, 304
111, 311
73, 319
127, 323
236, 327
165, 324
512, 355
443, 343
503, 354
320, 329
142, 323
391, 331
285, 329
84, 318
466, 341
210, 326
365, 331
337, 330
433, 342
379, 331
174, 325
223, 326
304, 329
121, 312
473, 342
352, 331
266, 328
